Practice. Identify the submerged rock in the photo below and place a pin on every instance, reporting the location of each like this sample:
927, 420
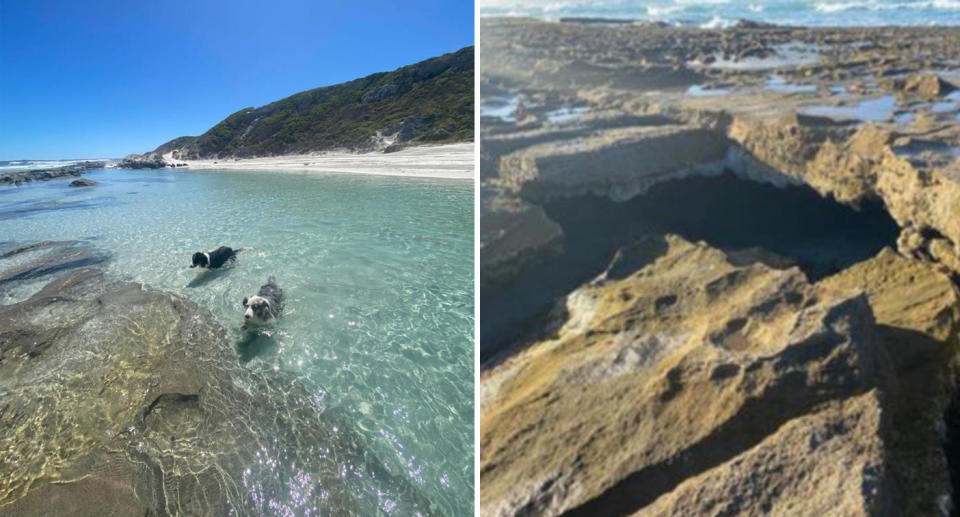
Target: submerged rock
116, 399
83, 183
46, 258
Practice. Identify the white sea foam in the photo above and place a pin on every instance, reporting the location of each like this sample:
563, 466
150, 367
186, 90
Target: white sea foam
26, 165
722, 13
660, 11
876, 5
718, 22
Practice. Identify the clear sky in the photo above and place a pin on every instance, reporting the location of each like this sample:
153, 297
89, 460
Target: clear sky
108, 78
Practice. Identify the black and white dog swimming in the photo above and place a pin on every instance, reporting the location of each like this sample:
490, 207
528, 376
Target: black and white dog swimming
216, 258
266, 306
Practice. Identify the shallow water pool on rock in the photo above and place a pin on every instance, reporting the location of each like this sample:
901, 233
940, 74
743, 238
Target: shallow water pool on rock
378, 278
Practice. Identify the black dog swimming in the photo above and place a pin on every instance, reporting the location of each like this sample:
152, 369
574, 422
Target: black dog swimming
216, 258
266, 305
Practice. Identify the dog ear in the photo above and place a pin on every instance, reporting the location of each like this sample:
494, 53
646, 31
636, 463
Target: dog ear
244, 301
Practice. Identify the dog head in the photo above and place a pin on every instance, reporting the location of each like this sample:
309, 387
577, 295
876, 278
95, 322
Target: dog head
200, 259
256, 310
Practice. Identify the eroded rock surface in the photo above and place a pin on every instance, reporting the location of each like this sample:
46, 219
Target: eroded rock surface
712, 384
684, 366
686, 380
826, 119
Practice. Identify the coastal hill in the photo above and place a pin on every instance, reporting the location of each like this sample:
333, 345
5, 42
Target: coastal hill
429, 102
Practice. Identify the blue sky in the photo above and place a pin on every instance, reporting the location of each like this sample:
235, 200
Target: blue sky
109, 78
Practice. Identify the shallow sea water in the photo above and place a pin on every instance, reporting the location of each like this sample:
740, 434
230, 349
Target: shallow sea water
377, 273
879, 109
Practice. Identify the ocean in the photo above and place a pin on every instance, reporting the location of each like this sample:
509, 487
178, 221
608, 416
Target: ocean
26, 165
721, 13
378, 277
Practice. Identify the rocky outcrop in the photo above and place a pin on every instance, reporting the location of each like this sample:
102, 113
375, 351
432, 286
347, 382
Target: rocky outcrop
684, 380
715, 360
917, 311
618, 163
154, 160
83, 183
379, 93
803, 468
925, 86
706, 384
68, 171
925, 201
849, 163
517, 232
145, 161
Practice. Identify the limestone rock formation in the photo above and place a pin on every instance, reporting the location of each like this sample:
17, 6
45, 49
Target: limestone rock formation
685, 380
688, 364
517, 233
619, 163
917, 310
927, 86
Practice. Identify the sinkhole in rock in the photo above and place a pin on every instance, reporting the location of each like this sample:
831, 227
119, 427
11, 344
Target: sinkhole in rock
819, 234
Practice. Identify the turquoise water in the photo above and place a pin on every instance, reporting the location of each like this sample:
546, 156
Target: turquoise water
720, 13
378, 277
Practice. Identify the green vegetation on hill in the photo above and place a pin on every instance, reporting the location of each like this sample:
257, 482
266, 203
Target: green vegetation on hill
427, 102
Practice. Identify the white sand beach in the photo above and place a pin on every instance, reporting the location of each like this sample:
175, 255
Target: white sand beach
454, 161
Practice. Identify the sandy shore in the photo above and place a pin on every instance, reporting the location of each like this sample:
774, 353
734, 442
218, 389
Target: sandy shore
454, 161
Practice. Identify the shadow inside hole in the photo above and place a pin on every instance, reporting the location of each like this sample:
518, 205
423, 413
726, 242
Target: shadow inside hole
819, 234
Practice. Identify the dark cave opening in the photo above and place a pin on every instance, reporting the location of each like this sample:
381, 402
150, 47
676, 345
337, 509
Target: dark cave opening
821, 235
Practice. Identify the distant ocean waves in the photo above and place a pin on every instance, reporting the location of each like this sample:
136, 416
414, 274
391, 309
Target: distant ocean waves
26, 165
721, 13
